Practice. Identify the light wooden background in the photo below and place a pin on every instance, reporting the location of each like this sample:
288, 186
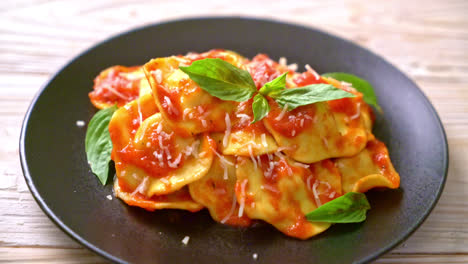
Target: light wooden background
428, 40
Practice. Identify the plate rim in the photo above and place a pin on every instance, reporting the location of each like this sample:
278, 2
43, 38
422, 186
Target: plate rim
55, 219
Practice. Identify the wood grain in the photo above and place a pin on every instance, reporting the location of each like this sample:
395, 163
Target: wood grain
428, 40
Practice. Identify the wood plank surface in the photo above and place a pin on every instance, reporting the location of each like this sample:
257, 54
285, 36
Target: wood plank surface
428, 40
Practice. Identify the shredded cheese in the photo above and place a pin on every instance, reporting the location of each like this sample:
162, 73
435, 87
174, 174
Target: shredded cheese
185, 240
358, 112
141, 188
269, 188
170, 107
282, 61
112, 90
283, 112
264, 142
242, 201
233, 207
175, 163
222, 158
309, 69
314, 191
243, 118
228, 130
252, 156
157, 75
140, 116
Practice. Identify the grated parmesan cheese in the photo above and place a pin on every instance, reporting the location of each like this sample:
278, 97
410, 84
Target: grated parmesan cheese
283, 112
80, 123
252, 156
233, 207
141, 188
242, 201
309, 69
283, 61
358, 112
176, 162
314, 191
157, 75
228, 130
264, 142
109, 197
112, 90
171, 108
140, 116
185, 240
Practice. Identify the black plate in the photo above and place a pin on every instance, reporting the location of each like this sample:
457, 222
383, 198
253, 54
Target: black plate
54, 161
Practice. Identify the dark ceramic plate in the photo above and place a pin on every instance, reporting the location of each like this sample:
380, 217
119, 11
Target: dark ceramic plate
55, 167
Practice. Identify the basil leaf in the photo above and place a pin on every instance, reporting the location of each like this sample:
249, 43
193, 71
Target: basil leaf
260, 107
221, 79
359, 84
278, 84
349, 208
98, 143
309, 94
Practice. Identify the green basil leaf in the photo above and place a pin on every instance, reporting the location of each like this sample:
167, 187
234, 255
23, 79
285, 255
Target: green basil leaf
222, 79
359, 84
349, 208
98, 144
260, 107
278, 84
309, 94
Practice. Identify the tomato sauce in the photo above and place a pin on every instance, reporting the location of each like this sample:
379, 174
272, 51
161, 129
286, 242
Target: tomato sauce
263, 69
113, 87
381, 158
243, 117
291, 123
170, 102
307, 78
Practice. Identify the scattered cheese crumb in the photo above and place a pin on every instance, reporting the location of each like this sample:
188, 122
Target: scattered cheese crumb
255, 256
185, 240
109, 197
80, 123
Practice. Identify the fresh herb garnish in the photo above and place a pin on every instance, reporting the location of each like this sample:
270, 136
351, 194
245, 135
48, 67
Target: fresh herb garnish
308, 95
349, 208
260, 107
98, 144
359, 84
222, 79
227, 82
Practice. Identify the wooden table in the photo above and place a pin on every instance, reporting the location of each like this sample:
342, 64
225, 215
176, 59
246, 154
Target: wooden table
428, 40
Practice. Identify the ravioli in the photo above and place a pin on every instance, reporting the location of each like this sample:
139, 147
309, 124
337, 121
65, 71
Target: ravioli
180, 199
369, 169
244, 138
153, 159
276, 191
179, 98
320, 131
118, 85
215, 191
